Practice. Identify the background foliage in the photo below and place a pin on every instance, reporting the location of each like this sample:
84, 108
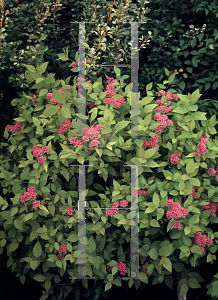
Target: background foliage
179, 35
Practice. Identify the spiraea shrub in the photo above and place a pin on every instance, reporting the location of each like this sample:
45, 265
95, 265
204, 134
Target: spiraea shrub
177, 192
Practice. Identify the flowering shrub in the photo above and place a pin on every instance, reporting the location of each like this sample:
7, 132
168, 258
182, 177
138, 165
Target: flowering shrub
177, 158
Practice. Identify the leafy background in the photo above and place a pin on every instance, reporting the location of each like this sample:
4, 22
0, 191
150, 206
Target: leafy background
179, 35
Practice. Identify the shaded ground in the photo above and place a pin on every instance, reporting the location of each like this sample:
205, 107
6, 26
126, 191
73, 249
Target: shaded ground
12, 289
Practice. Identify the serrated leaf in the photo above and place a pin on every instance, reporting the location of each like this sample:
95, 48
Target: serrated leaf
39, 278
154, 223
37, 250
167, 264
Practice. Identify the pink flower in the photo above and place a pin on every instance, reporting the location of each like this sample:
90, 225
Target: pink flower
170, 215
184, 212
70, 211
41, 159
85, 138
116, 105
122, 268
15, 128
116, 203
27, 196
33, 195
22, 199
123, 203
202, 240
115, 209
74, 65
45, 149
161, 93
36, 203
109, 212
211, 171
31, 189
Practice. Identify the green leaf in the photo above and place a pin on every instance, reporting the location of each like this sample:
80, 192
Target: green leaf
199, 115
97, 262
28, 217
30, 68
14, 210
168, 250
17, 224
108, 286
190, 166
156, 199
91, 245
196, 249
114, 270
183, 289
37, 250
153, 253
34, 264
195, 181
39, 278
58, 97
51, 208
42, 68
150, 209
43, 208
149, 86
43, 37
160, 213
167, 264
192, 282
154, 223
169, 281
65, 111
13, 246
120, 125
117, 282
150, 152
94, 113
33, 235
166, 71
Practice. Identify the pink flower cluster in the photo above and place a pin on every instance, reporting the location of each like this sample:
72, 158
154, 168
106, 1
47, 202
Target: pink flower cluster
202, 241
38, 151
110, 88
62, 249
211, 207
202, 148
17, 127
30, 194
144, 268
122, 268
168, 95
140, 193
162, 119
36, 203
91, 133
114, 207
69, 211
175, 212
174, 158
51, 98
212, 172
65, 127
